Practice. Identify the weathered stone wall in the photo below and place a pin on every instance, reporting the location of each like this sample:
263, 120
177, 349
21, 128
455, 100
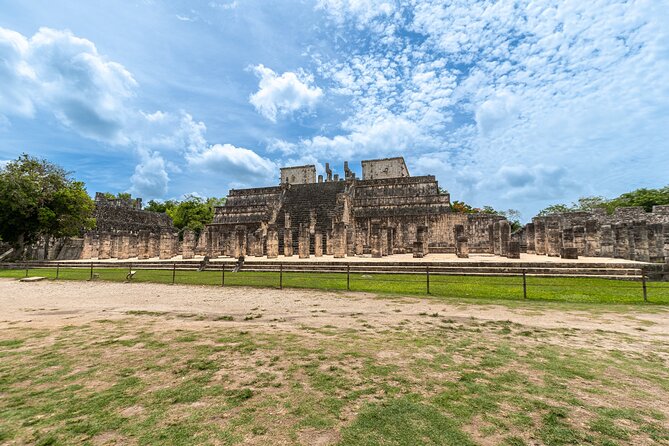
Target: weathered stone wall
384, 168
629, 233
298, 175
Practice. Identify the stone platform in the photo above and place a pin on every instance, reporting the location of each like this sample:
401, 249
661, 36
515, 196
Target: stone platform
439, 264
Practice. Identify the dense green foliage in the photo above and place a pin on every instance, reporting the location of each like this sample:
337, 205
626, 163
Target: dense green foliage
39, 198
646, 198
192, 212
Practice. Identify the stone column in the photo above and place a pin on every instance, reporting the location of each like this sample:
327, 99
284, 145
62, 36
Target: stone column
641, 253
166, 245
553, 239
318, 243
201, 247
655, 243
461, 242
329, 250
254, 243
239, 242
133, 252
568, 237
95, 245
114, 247
592, 239
540, 237
383, 235
359, 242
377, 248
303, 241
105, 246
504, 237
529, 237
513, 250
491, 237
143, 245
339, 240
422, 237
209, 246
86, 249
272, 242
288, 242
123, 247
154, 245
621, 241
579, 239
665, 236
496, 245
188, 245
606, 241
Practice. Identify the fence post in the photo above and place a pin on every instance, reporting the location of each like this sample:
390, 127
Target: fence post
280, 276
348, 277
57, 269
174, 271
427, 278
27, 266
643, 285
91, 277
524, 286
223, 274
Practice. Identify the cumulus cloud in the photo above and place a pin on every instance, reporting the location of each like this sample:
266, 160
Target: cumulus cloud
150, 178
283, 95
567, 97
65, 75
230, 162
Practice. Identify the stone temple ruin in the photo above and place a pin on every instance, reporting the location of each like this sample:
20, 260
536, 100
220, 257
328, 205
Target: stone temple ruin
629, 233
385, 212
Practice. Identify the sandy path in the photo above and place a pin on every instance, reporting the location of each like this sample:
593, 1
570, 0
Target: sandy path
52, 304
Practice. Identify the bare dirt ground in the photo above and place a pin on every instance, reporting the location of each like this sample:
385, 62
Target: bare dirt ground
53, 304
311, 366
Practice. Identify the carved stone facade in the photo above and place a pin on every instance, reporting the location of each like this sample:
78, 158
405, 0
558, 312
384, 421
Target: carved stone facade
387, 212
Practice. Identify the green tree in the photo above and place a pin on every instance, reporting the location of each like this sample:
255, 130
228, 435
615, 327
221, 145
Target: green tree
646, 198
192, 212
160, 206
39, 198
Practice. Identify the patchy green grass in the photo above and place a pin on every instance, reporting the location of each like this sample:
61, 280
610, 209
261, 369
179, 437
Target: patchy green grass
454, 383
547, 289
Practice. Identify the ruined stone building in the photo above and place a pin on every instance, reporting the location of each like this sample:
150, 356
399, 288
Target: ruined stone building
386, 212
629, 233
123, 230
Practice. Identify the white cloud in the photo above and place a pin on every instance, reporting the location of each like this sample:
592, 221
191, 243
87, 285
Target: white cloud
242, 165
283, 95
362, 11
568, 97
64, 74
150, 179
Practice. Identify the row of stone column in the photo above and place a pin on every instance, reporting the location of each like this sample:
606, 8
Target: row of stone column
635, 240
142, 245
499, 234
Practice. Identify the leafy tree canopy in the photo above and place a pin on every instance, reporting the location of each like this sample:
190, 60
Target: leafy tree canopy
119, 196
39, 198
192, 212
646, 198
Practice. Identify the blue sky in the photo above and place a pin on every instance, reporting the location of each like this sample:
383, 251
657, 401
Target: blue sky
514, 104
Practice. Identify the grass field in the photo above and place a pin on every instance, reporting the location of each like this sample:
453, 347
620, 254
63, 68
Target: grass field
574, 290
438, 381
